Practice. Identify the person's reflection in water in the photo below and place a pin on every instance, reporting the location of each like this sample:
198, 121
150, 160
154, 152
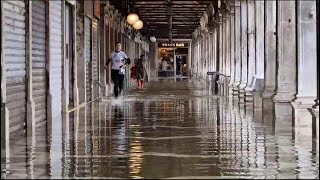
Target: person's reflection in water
119, 125
119, 143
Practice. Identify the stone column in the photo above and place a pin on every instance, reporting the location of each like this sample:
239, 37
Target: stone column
189, 58
56, 9
224, 43
31, 124
286, 51
215, 50
220, 51
259, 76
210, 51
206, 60
251, 50
222, 47
307, 64
102, 62
315, 110
270, 49
232, 52
224, 53
227, 55
244, 48
203, 55
260, 26
81, 56
227, 45
237, 48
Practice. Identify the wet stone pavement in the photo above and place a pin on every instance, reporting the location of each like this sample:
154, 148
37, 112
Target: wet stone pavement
171, 129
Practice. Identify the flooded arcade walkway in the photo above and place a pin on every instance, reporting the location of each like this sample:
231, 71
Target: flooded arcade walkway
171, 129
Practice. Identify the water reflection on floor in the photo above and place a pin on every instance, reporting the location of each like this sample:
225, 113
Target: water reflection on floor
168, 130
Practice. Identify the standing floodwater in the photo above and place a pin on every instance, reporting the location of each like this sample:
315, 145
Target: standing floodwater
171, 129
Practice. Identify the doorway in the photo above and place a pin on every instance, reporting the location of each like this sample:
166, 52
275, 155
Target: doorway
166, 62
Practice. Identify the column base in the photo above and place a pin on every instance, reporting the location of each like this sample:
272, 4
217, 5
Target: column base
226, 85
235, 89
242, 92
220, 85
248, 95
242, 96
268, 112
303, 119
315, 121
268, 94
283, 117
283, 97
257, 99
257, 92
230, 88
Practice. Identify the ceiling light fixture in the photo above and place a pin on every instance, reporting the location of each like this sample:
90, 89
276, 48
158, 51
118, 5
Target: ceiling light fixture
138, 25
132, 18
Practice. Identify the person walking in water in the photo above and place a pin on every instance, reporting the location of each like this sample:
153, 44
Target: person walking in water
119, 60
140, 71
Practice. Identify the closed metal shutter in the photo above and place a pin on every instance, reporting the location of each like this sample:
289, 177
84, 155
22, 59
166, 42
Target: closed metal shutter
87, 31
39, 61
95, 58
15, 60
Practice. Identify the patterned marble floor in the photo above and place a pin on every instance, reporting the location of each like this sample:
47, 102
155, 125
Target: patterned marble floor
171, 129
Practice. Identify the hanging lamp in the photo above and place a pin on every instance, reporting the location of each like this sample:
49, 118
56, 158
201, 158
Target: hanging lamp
132, 18
138, 25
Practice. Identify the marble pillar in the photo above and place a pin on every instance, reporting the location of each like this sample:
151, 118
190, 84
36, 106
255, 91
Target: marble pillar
244, 49
270, 55
286, 51
315, 122
259, 76
200, 68
227, 46
224, 54
232, 52
237, 48
215, 50
223, 58
227, 55
251, 50
260, 26
209, 52
203, 55
315, 109
307, 66
220, 51
189, 58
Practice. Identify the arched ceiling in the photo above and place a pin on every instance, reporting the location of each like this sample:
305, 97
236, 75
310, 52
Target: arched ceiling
186, 15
